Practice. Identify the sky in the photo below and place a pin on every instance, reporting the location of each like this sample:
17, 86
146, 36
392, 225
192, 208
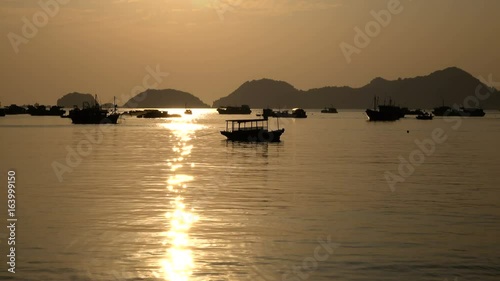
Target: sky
210, 47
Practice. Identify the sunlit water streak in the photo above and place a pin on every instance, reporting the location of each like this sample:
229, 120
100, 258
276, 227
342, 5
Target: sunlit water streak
179, 263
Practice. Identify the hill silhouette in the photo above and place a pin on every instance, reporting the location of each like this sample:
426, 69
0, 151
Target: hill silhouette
259, 93
71, 99
451, 85
167, 98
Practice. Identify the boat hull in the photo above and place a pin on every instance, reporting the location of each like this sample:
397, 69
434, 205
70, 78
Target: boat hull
296, 113
463, 112
158, 115
455, 113
329, 110
244, 109
234, 112
285, 115
382, 116
254, 135
82, 118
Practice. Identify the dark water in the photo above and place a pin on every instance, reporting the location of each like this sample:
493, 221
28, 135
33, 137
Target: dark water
171, 200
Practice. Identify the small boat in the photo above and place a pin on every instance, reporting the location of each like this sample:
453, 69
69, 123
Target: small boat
251, 130
93, 114
329, 110
407, 111
157, 114
425, 116
133, 112
244, 109
14, 110
41, 110
187, 111
389, 112
296, 113
465, 112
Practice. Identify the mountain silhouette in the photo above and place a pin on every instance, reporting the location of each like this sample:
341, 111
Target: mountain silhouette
72, 99
259, 93
451, 85
167, 98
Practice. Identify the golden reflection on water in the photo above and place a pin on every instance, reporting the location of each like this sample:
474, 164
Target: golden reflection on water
178, 264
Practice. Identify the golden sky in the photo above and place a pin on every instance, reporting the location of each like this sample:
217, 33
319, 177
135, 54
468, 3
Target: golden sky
210, 47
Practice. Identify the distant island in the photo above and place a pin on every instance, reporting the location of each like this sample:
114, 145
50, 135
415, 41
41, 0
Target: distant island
167, 98
72, 99
451, 85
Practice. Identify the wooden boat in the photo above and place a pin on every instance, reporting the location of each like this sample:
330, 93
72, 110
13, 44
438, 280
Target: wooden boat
329, 110
425, 116
407, 111
296, 113
41, 110
244, 109
251, 130
157, 114
465, 112
187, 111
389, 112
93, 114
14, 110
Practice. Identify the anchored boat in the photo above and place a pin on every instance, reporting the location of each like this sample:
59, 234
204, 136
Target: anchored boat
157, 114
389, 112
466, 112
296, 113
425, 116
41, 110
244, 109
251, 130
329, 110
93, 114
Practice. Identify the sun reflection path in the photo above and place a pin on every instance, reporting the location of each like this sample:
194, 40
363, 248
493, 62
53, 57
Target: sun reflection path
179, 264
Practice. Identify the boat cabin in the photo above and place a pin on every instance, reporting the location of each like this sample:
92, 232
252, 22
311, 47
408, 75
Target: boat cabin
246, 125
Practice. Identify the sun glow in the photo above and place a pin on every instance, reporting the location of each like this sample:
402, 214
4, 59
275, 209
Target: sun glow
179, 263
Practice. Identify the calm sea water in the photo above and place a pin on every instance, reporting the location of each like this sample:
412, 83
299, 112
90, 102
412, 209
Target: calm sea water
172, 200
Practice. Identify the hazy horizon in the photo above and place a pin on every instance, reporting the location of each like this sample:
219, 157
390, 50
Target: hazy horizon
209, 48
